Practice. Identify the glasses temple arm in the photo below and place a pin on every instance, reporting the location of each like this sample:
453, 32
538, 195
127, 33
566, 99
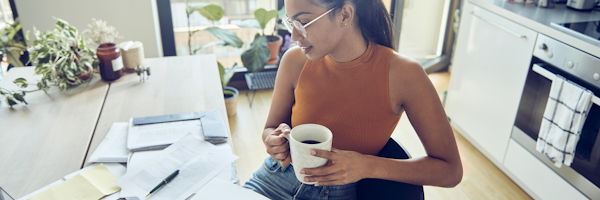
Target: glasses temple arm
314, 20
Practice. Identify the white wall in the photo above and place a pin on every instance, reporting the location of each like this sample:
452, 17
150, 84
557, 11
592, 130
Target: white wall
135, 20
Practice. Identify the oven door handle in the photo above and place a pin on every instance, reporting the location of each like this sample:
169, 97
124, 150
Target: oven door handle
549, 75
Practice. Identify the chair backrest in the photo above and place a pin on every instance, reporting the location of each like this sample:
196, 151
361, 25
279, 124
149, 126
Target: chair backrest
384, 189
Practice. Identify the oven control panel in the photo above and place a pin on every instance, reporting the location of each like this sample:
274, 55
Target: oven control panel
569, 59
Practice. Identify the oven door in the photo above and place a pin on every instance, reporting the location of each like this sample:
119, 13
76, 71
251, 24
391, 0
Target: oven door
584, 172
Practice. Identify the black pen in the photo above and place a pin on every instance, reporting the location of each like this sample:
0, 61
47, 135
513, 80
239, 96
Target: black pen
164, 182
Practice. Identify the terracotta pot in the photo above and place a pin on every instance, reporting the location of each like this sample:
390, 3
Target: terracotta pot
231, 101
274, 42
83, 76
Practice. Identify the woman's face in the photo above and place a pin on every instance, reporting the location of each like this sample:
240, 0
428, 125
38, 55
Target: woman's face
322, 35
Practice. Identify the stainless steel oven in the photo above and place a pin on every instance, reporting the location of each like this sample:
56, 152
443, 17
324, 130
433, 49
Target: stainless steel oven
551, 57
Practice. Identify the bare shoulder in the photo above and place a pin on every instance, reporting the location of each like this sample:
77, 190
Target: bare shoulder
407, 79
291, 64
404, 68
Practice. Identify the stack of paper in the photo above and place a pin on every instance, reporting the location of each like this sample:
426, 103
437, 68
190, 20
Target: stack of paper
113, 147
198, 161
158, 132
213, 128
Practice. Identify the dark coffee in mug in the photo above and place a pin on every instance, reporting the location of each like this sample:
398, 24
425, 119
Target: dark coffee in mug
310, 142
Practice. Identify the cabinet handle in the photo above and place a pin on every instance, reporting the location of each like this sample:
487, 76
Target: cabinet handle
499, 26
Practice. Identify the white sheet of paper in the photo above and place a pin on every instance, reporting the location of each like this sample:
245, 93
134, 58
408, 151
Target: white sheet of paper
160, 134
219, 189
198, 161
113, 147
138, 161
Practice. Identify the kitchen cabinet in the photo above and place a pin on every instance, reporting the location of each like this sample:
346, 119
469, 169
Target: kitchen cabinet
539, 178
489, 68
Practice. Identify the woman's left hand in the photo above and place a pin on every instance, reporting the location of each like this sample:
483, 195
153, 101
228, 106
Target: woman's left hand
347, 167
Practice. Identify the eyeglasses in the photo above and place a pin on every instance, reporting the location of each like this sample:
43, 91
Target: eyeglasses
294, 24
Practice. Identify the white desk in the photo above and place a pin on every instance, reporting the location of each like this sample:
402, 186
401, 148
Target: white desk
54, 135
47, 139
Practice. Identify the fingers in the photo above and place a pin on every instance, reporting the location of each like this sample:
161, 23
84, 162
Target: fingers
320, 171
284, 128
323, 154
277, 145
325, 175
279, 152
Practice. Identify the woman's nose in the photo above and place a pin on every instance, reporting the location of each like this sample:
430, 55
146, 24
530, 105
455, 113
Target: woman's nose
296, 36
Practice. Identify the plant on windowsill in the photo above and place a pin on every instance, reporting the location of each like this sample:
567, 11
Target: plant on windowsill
264, 50
11, 44
214, 13
61, 57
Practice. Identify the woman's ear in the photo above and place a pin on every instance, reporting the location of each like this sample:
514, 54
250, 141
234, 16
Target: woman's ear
347, 15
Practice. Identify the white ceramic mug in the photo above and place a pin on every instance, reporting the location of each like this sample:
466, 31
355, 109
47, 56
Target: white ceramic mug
300, 151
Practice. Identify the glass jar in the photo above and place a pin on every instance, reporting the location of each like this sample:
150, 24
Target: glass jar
111, 63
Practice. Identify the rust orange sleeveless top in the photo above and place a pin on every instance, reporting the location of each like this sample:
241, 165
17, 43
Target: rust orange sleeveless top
351, 99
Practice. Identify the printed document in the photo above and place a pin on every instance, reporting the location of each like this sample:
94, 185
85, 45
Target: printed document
160, 135
198, 161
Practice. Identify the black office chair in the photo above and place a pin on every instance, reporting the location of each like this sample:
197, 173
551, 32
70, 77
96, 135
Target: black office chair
384, 189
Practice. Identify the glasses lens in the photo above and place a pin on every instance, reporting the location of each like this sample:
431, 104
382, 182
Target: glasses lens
287, 24
300, 28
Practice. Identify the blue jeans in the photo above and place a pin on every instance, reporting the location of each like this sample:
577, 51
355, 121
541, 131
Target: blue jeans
277, 182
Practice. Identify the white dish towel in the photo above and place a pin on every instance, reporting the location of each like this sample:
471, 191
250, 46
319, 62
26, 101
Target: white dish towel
566, 111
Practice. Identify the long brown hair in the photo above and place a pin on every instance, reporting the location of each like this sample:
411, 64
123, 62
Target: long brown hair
373, 19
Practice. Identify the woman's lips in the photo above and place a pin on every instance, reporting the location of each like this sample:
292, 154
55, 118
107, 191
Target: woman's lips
305, 50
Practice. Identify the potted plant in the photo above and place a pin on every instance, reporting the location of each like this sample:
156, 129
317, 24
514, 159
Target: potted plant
229, 93
11, 44
264, 49
61, 57
214, 13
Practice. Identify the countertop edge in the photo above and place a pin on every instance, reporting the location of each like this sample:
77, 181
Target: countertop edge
540, 28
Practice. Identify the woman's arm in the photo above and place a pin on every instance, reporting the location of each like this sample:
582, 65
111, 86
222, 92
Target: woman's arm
279, 118
419, 99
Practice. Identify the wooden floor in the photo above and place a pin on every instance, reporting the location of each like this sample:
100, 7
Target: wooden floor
481, 180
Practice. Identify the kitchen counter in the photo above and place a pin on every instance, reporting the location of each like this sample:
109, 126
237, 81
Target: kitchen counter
539, 20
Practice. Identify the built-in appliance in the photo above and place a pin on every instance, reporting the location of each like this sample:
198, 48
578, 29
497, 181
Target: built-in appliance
551, 58
581, 4
590, 29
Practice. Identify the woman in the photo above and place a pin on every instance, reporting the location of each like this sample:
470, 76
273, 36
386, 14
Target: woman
344, 75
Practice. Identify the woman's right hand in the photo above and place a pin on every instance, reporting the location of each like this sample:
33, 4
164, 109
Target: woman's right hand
278, 146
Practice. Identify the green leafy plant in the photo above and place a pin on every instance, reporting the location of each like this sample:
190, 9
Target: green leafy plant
213, 13
61, 57
226, 75
10, 43
11, 97
256, 57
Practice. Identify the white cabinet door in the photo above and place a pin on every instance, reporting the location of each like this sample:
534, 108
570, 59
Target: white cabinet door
489, 68
539, 178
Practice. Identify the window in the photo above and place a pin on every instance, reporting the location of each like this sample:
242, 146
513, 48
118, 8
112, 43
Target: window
235, 12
